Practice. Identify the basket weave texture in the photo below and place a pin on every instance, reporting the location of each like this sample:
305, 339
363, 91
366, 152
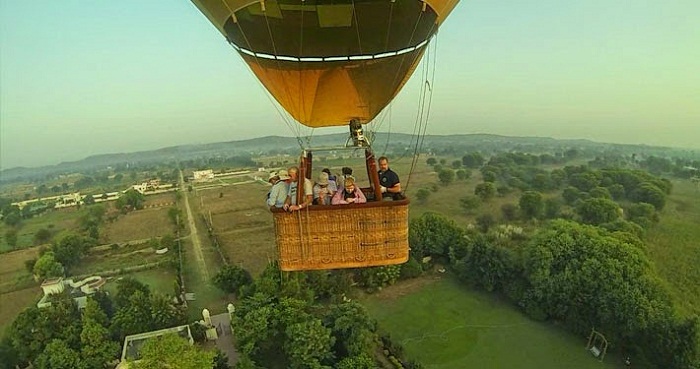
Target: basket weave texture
343, 236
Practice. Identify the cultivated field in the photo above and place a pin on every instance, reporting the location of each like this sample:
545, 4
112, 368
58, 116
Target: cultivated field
13, 273
445, 325
13, 303
242, 223
138, 225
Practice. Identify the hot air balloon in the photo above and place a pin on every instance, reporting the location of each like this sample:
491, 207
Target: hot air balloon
334, 63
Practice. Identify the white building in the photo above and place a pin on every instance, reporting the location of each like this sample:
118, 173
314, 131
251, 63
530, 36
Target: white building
203, 175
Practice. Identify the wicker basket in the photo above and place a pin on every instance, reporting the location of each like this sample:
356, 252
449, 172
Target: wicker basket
343, 236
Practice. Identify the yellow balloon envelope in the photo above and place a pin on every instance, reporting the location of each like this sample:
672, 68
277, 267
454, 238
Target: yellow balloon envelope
327, 62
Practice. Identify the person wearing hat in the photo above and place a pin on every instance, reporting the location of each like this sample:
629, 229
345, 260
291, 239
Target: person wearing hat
307, 186
350, 194
324, 190
280, 189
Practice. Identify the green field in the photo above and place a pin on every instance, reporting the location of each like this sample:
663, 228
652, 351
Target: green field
161, 280
674, 246
444, 325
53, 220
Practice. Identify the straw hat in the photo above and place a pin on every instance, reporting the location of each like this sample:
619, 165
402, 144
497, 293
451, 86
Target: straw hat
323, 178
283, 175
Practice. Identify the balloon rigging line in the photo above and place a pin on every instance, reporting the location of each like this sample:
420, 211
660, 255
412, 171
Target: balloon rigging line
284, 118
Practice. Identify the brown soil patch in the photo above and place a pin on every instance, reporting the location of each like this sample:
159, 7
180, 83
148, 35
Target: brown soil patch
407, 287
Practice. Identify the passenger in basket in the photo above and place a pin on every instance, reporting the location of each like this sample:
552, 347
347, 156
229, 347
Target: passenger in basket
350, 194
347, 173
331, 178
389, 181
291, 202
280, 189
323, 190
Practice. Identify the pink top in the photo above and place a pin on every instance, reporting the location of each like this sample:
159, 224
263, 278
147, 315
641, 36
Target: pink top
339, 197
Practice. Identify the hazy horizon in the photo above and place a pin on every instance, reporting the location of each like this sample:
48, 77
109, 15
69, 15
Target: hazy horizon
79, 79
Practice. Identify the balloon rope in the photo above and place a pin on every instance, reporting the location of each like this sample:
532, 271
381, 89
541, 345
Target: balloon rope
279, 67
284, 118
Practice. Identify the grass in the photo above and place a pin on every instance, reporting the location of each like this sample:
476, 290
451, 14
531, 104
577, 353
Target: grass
443, 324
161, 280
673, 246
53, 220
207, 295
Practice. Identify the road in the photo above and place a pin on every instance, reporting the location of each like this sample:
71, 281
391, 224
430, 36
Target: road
196, 243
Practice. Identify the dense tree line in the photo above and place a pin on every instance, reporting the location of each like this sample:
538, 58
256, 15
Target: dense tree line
579, 275
305, 320
63, 337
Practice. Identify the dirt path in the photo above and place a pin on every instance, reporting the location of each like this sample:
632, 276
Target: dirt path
196, 243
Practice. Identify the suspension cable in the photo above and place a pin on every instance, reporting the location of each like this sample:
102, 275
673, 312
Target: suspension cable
279, 67
281, 114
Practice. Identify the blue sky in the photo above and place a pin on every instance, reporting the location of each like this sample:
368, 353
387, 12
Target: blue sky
79, 78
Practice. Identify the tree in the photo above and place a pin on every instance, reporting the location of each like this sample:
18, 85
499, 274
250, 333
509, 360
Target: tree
570, 195
456, 164
584, 181
88, 200
126, 287
130, 200
357, 362
175, 216
71, 248
485, 222
470, 203
473, 160
531, 204
48, 267
446, 176
463, 174
598, 211
485, 191
510, 212
422, 195
172, 351
489, 176
58, 355
42, 236
164, 314
431, 161
231, 278
96, 348
308, 344
650, 194
552, 208
11, 237
432, 234
600, 192
135, 317
12, 219
584, 276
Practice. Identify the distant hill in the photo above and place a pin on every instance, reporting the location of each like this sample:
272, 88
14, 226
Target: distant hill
390, 143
